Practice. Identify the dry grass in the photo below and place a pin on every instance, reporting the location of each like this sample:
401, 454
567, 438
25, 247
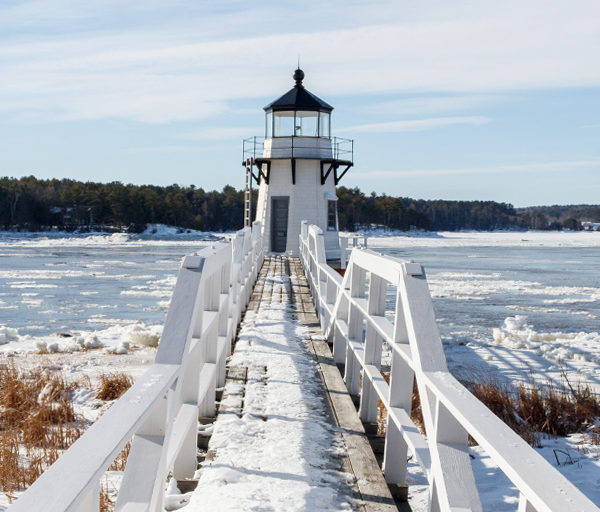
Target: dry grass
530, 410
501, 400
548, 409
37, 422
113, 385
107, 503
416, 415
121, 460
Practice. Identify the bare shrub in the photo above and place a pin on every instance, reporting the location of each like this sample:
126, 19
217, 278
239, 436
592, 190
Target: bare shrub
527, 409
121, 460
37, 422
107, 504
416, 415
501, 401
113, 385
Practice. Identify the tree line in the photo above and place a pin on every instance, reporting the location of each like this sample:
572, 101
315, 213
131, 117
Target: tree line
32, 204
37, 205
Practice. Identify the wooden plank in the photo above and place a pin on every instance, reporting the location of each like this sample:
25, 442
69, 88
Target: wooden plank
359, 459
372, 486
234, 386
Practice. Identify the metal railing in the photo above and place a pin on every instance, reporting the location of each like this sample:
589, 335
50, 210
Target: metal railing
160, 411
352, 313
342, 149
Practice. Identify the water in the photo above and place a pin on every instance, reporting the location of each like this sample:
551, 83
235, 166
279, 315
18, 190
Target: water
540, 294
513, 308
476, 288
79, 284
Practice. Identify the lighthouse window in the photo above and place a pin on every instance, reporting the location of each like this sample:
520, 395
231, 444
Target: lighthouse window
269, 125
307, 124
284, 124
324, 125
331, 215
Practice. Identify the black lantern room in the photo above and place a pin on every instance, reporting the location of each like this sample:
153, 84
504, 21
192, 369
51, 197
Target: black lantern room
298, 113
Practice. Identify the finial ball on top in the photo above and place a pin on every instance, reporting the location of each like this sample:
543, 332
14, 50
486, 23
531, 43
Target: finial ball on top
298, 76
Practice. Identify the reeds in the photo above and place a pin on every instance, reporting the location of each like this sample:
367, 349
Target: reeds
113, 385
38, 422
531, 410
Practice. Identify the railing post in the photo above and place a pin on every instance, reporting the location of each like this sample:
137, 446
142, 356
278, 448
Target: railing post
343, 251
446, 437
373, 345
146, 471
91, 502
525, 505
355, 330
400, 395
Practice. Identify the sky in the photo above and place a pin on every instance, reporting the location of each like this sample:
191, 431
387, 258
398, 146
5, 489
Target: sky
470, 100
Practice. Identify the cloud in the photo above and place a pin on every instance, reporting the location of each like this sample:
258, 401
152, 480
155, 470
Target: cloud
561, 166
173, 148
416, 125
159, 64
426, 105
220, 133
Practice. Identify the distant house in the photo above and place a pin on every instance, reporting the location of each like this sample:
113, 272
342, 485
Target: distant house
591, 226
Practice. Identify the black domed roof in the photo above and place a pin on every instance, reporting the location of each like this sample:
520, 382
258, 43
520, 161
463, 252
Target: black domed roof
298, 98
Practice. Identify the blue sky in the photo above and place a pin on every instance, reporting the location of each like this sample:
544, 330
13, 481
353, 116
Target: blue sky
445, 100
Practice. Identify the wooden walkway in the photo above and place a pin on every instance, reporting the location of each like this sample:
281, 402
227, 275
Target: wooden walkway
282, 287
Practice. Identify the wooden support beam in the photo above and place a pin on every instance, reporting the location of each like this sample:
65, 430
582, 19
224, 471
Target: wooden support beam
293, 171
324, 174
259, 162
336, 177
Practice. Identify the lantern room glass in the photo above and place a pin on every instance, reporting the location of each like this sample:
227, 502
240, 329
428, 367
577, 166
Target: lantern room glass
307, 124
269, 125
283, 125
324, 124
301, 123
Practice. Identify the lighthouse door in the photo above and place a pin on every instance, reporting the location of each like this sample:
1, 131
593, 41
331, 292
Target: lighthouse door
279, 223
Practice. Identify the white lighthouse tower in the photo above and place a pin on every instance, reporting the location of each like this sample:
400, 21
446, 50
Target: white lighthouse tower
298, 166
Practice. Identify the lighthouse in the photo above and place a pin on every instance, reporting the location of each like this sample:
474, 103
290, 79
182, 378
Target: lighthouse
297, 166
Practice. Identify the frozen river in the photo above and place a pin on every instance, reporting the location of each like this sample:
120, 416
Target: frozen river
534, 291
518, 302
101, 284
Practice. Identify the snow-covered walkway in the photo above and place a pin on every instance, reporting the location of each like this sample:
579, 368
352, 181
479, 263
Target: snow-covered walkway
273, 446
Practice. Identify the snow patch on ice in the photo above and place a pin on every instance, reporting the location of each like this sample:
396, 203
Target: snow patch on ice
485, 239
516, 333
116, 339
8, 334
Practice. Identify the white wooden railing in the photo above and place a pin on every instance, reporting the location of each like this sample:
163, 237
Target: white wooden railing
350, 241
160, 411
352, 312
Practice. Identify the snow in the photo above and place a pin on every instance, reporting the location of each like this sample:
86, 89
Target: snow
156, 233
281, 453
117, 339
484, 238
8, 334
574, 456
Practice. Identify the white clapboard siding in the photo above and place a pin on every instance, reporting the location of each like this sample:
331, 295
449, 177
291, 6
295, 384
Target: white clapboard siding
353, 316
160, 411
